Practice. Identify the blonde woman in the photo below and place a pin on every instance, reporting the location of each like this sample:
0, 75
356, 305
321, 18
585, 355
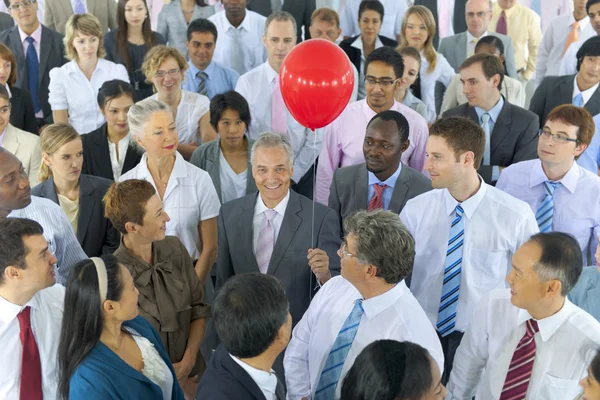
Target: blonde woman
164, 67
74, 86
79, 196
403, 94
418, 30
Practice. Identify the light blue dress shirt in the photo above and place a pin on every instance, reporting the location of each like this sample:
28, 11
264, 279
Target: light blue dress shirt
387, 192
494, 113
576, 201
586, 294
220, 79
590, 158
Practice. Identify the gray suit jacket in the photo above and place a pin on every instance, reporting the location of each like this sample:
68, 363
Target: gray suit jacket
301, 10
350, 188
207, 157
586, 294
57, 12
95, 232
6, 21
172, 25
555, 91
454, 48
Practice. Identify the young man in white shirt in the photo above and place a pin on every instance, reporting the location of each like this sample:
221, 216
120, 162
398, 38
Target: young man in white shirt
529, 341
370, 301
31, 311
465, 231
568, 64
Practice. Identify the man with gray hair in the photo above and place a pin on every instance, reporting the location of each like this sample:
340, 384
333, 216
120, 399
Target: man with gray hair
368, 302
532, 323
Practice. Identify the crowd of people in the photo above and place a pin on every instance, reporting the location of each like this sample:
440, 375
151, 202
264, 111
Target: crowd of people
168, 230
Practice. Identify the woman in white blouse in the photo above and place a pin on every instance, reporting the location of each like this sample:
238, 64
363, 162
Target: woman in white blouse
74, 86
418, 30
164, 67
187, 192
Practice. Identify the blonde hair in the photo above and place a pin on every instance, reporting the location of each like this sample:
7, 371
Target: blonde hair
85, 24
427, 18
159, 54
54, 137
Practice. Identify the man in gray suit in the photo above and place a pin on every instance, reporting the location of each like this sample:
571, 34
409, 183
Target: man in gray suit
459, 47
301, 10
383, 181
6, 21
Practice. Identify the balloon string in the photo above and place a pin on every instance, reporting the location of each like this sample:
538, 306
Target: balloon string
314, 199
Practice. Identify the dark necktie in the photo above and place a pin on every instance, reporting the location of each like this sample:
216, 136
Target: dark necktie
521, 365
202, 85
377, 200
33, 73
31, 368
502, 25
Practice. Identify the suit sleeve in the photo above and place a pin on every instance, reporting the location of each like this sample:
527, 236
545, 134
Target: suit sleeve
330, 240
334, 201
509, 59
112, 15
528, 141
29, 113
35, 161
450, 100
538, 102
224, 263
543, 53
444, 50
49, 21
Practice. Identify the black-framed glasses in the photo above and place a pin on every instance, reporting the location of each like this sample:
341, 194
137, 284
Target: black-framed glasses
384, 83
172, 72
24, 4
556, 137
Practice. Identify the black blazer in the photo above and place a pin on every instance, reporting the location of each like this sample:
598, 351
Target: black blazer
52, 55
22, 115
558, 90
95, 232
514, 138
301, 10
96, 157
459, 23
354, 53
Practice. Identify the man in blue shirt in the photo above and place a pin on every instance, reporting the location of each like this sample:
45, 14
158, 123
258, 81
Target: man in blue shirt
205, 76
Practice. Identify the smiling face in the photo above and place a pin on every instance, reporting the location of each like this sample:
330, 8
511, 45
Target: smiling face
170, 82
66, 162
201, 48
154, 224
159, 138
272, 171
416, 32
86, 46
15, 192
383, 148
135, 12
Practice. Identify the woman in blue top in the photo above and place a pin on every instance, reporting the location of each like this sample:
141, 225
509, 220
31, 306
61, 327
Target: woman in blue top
106, 350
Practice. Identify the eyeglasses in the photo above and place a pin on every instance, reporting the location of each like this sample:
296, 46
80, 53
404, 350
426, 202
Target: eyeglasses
345, 252
171, 72
24, 4
480, 14
384, 83
556, 138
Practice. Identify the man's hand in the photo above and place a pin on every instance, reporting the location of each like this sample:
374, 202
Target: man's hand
318, 261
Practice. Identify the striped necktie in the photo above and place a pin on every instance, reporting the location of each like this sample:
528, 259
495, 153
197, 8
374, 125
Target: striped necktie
485, 124
79, 7
377, 199
202, 85
545, 211
521, 365
332, 370
452, 268
266, 242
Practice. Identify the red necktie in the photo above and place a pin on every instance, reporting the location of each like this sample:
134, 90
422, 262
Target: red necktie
31, 368
521, 365
377, 200
502, 25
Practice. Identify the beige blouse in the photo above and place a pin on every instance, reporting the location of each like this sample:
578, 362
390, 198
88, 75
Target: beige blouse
71, 209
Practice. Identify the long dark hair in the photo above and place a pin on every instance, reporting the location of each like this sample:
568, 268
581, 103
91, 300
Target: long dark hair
82, 318
595, 366
122, 44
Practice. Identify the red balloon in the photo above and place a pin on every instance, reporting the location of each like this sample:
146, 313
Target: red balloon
316, 81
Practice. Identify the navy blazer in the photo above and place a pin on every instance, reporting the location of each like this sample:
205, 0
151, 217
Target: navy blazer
104, 375
586, 294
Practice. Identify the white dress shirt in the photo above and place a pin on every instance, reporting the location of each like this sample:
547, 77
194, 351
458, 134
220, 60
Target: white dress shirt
258, 222
266, 382
443, 72
586, 94
233, 186
190, 197
257, 87
46, 320
251, 30
568, 65
496, 225
565, 345
117, 163
191, 108
394, 12
71, 90
394, 315
358, 44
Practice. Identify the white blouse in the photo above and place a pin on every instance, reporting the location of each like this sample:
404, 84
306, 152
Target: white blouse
233, 186
71, 90
191, 108
155, 367
117, 163
443, 72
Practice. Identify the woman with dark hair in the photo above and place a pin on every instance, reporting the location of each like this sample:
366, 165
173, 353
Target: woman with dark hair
106, 350
109, 152
591, 383
129, 44
391, 370
227, 159
175, 17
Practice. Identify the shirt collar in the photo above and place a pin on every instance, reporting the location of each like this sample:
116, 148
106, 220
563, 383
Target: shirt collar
569, 181
9, 311
271, 73
263, 379
279, 208
470, 37
375, 305
179, 169
194, 70
549, 325
244, 25
409, 99
494, 111
358, 44
391, 181
586, 93
36, 35
368, 111
470, 205
582, 23
508, 12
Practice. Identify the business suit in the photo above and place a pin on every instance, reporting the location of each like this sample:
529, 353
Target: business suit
225, 379
459, 23
57, 12
95, 233
208, 158
52, 51
22, 115
350, 189
454, 48
301, 10
586, 294
355, 54
514, 138
6, 21
173, 26
26, 147
96, 156
555, 91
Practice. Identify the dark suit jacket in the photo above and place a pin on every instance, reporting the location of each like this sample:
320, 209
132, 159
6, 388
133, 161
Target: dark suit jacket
350, 189
301, 10
22, 115
95, 232
52, 55
558, 90
224, 379
354, 54
96, 157
6, 21
459, 23
514, 138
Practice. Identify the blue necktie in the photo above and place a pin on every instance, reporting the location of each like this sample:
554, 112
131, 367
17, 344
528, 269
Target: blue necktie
452, 268
33, 73
545, 211
578, 100
79, 7
332, 369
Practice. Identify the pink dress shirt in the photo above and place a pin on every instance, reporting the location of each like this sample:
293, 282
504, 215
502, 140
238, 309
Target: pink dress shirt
343, 142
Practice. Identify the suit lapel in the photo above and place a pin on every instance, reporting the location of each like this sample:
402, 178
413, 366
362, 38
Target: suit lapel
102, 154
11, 140
87, 202
501, 127
49, 192
213, 165
245, 235
361, 190
593, 105
17, 49
45, 46
400, 190
566, 91
289, 226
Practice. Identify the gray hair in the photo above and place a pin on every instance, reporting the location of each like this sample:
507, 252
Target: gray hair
281, 16
383, 241
140, 112
270, 140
